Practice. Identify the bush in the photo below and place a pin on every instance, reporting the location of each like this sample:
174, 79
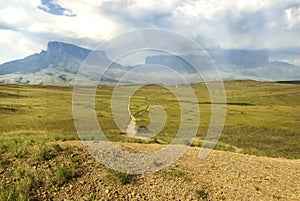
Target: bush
123, 177
63, 174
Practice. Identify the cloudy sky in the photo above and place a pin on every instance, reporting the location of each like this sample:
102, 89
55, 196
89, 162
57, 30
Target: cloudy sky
27, 25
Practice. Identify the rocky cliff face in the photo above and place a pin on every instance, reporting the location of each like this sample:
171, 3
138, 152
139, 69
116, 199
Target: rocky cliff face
237, 59
58, 55
58, 49
61, 62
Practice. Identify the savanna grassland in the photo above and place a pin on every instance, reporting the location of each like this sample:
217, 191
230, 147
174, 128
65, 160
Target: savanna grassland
262, 119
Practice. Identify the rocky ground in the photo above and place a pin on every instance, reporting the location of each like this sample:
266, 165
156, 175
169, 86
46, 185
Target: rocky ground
220, 176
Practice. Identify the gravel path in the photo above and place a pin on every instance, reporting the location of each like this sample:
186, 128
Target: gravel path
220, 176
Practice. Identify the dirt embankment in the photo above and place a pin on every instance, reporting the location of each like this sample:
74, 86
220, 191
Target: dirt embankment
220, 176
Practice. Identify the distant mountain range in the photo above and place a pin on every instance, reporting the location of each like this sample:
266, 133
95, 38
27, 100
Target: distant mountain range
60, 63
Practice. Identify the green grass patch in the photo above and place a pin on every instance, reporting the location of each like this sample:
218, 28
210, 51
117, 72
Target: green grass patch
122, 177
262, 118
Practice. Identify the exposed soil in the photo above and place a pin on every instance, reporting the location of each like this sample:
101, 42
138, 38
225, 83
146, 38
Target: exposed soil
220, 176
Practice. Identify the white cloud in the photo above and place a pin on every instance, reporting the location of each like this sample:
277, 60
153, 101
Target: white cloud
90, 26
154, 6
21, 20
14, 45
13, 15
213, 23
292, 16
40, 27
237, 24
214, 8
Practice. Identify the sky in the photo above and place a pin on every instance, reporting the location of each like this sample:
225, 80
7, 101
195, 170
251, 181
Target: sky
26, 26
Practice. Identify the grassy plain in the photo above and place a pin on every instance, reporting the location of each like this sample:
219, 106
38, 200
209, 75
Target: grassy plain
262, 119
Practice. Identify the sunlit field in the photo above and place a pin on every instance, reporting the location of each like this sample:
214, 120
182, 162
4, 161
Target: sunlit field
262, 118
36, 123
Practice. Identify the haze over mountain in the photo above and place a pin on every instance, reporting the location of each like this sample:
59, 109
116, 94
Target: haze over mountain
60, 63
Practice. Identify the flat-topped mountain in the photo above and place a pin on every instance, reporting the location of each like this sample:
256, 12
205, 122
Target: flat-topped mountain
57, 55
58, 49
60, 63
